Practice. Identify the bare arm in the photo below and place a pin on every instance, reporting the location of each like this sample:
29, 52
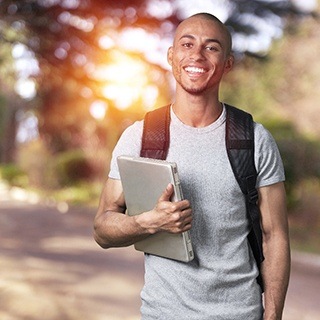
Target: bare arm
112, 228
276, 266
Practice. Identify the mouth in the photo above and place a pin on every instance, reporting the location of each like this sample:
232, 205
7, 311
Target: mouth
195, 70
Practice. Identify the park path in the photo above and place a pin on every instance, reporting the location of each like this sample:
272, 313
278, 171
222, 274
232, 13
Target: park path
52, 269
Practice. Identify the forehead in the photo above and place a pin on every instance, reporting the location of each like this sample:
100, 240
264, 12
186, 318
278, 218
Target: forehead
201, 27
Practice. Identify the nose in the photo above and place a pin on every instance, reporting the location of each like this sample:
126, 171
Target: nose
197, 53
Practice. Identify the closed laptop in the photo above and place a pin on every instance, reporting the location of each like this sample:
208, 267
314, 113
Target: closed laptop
143, 181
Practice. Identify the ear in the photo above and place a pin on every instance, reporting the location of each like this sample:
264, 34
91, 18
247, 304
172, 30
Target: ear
169, 55
229, 63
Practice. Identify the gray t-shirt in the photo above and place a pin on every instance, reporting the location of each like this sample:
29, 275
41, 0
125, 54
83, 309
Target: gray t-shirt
220, 283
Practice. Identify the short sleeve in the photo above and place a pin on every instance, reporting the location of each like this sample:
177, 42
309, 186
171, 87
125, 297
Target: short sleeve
268, 161
129, 144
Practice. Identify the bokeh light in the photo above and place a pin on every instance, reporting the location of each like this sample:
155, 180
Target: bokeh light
125, 80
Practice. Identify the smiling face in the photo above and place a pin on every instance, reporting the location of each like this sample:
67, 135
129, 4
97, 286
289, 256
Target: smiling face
200, 54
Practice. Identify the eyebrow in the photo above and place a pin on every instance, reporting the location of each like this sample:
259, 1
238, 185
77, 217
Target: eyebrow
189, 36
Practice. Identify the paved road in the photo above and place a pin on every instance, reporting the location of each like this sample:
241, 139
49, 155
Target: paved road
52, 269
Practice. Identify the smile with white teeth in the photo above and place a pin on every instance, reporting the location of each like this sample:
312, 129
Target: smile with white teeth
194, 70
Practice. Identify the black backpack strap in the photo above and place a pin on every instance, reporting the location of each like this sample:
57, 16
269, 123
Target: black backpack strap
240, 149
156, 135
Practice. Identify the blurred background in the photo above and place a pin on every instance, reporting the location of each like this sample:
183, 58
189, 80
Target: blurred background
74, 74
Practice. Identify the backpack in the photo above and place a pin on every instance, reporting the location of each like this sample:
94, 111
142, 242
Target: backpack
240, 149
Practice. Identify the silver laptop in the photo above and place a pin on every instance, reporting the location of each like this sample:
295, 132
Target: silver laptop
143, 181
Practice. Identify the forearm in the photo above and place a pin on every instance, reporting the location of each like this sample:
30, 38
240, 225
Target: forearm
276, 266
114, 229
275, 272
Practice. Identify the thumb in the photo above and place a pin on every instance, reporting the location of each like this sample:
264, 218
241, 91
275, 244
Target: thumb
167, 193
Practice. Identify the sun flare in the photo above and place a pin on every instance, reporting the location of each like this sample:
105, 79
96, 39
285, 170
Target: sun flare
126, 80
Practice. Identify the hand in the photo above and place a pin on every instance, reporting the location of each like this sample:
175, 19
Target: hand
174, 217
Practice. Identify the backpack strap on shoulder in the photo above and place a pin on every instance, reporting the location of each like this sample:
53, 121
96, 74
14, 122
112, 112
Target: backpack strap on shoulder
240, 149
156, 135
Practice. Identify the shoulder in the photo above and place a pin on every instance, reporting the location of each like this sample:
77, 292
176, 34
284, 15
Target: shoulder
267, 157
264, 143
129, 144
131, 135
134, 128
130, 139
262, 135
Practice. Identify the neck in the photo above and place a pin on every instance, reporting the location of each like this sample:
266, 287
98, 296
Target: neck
197, 111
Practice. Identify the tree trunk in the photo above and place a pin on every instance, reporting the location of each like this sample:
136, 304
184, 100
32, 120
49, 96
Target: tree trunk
8, 138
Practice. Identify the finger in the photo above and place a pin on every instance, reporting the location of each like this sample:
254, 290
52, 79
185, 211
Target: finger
167, 193
186, 205
186, 227
181, 227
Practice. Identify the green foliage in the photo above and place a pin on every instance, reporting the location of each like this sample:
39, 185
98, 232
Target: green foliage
35, 159
86, 193
301, 156
270, 89
13, 175
73, 167
252, 86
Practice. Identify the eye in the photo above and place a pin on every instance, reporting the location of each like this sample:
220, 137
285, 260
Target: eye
187, 44
211, 48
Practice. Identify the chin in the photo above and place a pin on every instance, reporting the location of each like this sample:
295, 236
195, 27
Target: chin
195, 91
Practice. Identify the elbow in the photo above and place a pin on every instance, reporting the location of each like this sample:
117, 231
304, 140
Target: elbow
280, 235
100, 237
101, 241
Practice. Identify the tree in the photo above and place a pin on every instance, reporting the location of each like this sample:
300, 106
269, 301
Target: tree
76, 42
9, 101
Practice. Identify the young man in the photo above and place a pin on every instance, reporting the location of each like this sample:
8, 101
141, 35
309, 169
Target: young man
220, 283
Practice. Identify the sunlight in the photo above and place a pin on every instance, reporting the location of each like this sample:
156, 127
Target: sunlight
126, 81
26, 88
126, 70
98, 109
26, 66
27, 126
152, 46
122, 94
